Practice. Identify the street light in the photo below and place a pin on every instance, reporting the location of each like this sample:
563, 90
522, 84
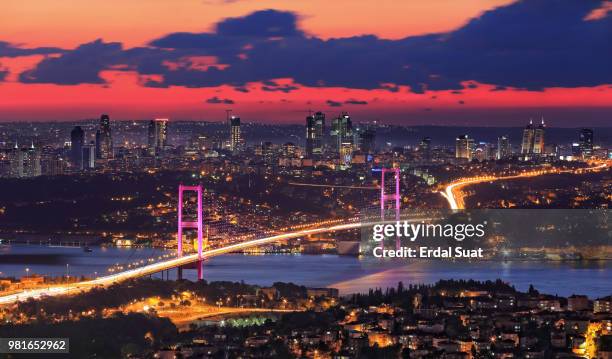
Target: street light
27, 271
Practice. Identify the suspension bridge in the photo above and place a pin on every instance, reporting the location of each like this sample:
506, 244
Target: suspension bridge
452, 193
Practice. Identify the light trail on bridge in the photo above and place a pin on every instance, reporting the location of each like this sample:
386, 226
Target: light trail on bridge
74, 288
452, 192
329, 226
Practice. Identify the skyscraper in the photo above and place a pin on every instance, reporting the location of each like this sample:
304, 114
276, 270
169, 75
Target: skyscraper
504, 149
89, 156
319, 132
341, 131
104, 139
533, 140
31, 161
527, 143
24, 162
235, 134
16, 162
77, 138
585, 141
157, 136
576, 150
310, 134
538, 139
464, 147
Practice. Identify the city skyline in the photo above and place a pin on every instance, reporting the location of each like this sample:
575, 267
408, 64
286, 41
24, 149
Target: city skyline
306, 179
449, 63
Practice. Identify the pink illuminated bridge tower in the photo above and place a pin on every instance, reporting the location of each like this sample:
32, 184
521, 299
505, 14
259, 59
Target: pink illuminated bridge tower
190, 224
384, 197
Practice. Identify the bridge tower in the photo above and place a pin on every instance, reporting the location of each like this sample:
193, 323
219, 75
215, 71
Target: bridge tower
189, 224
385, 197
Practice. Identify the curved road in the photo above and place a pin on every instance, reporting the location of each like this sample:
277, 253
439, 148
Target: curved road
454, 196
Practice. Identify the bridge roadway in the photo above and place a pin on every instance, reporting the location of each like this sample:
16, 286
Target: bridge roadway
450, 193
73, 288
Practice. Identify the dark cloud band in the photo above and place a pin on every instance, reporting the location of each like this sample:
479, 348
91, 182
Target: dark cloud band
530, 44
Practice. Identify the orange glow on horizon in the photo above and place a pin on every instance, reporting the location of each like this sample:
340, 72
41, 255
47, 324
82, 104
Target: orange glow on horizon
68, 23
125, 98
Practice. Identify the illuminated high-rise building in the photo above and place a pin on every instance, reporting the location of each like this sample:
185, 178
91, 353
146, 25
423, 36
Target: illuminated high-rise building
527, 143
504, 149
310, 134
31, 161
89, 156
289, 149
341, 131
104, 139
538, 139
157, 136
464, 147
235, 140
24, 162
319, 133
53, 165
346, 153
267, 151
533, 140
585, 142
16, 162
315, 132
77, 139
576, 150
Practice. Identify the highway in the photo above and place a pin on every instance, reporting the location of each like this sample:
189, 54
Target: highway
73, 288
454, 196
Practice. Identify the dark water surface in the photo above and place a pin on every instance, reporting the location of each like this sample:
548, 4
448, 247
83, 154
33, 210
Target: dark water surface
349, 274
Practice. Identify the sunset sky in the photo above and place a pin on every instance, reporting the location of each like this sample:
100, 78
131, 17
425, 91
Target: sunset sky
465, 62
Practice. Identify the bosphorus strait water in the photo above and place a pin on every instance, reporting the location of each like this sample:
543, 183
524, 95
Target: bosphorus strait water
349, 274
